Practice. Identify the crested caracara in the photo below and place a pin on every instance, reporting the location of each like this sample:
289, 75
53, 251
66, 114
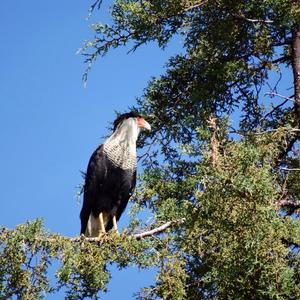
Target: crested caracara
111, 176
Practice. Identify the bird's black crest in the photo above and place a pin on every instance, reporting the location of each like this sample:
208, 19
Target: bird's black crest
122, 117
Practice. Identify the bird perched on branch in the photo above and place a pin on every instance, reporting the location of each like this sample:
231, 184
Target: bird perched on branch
111, 176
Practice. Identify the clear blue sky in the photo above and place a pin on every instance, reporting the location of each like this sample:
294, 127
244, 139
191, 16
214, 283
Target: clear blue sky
50, 123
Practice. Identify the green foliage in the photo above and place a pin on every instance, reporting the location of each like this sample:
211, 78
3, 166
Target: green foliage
28, 251
241, 247
232, 241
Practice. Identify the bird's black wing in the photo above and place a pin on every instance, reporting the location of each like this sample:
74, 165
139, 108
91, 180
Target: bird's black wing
94, 179
126, 188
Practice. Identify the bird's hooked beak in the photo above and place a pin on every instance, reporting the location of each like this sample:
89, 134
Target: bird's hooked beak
143, 124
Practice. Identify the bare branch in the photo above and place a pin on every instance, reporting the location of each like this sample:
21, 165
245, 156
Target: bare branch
159, 229
288, 203
196, 5
153, 231
138, 236
97, 4
281, 96
241, 17
289, 169
262, 132
212, 123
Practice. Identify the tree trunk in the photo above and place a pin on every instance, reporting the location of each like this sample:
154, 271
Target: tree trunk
296, 68
296, 73
212, 123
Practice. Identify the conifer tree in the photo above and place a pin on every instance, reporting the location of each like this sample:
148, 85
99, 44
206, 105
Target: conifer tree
221, 166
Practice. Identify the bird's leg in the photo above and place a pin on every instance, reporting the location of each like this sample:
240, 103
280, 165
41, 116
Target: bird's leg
102, 227
115, 223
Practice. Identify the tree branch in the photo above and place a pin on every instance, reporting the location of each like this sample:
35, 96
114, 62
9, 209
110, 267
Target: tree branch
273, 110
289, 169
289, 146
272, 94
212, 124
289, 243
289, 204
153, 231
96, 3
138, 236
196, 5
234, 131
241, 17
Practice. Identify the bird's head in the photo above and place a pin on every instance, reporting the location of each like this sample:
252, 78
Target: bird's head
131, 119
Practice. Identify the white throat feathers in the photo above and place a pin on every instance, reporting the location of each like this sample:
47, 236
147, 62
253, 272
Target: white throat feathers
120, 147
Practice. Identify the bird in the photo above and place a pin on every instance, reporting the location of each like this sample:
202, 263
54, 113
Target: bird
110, 178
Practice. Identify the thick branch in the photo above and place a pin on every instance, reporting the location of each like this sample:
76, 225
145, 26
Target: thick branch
158, 229
138, 236
153, 231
